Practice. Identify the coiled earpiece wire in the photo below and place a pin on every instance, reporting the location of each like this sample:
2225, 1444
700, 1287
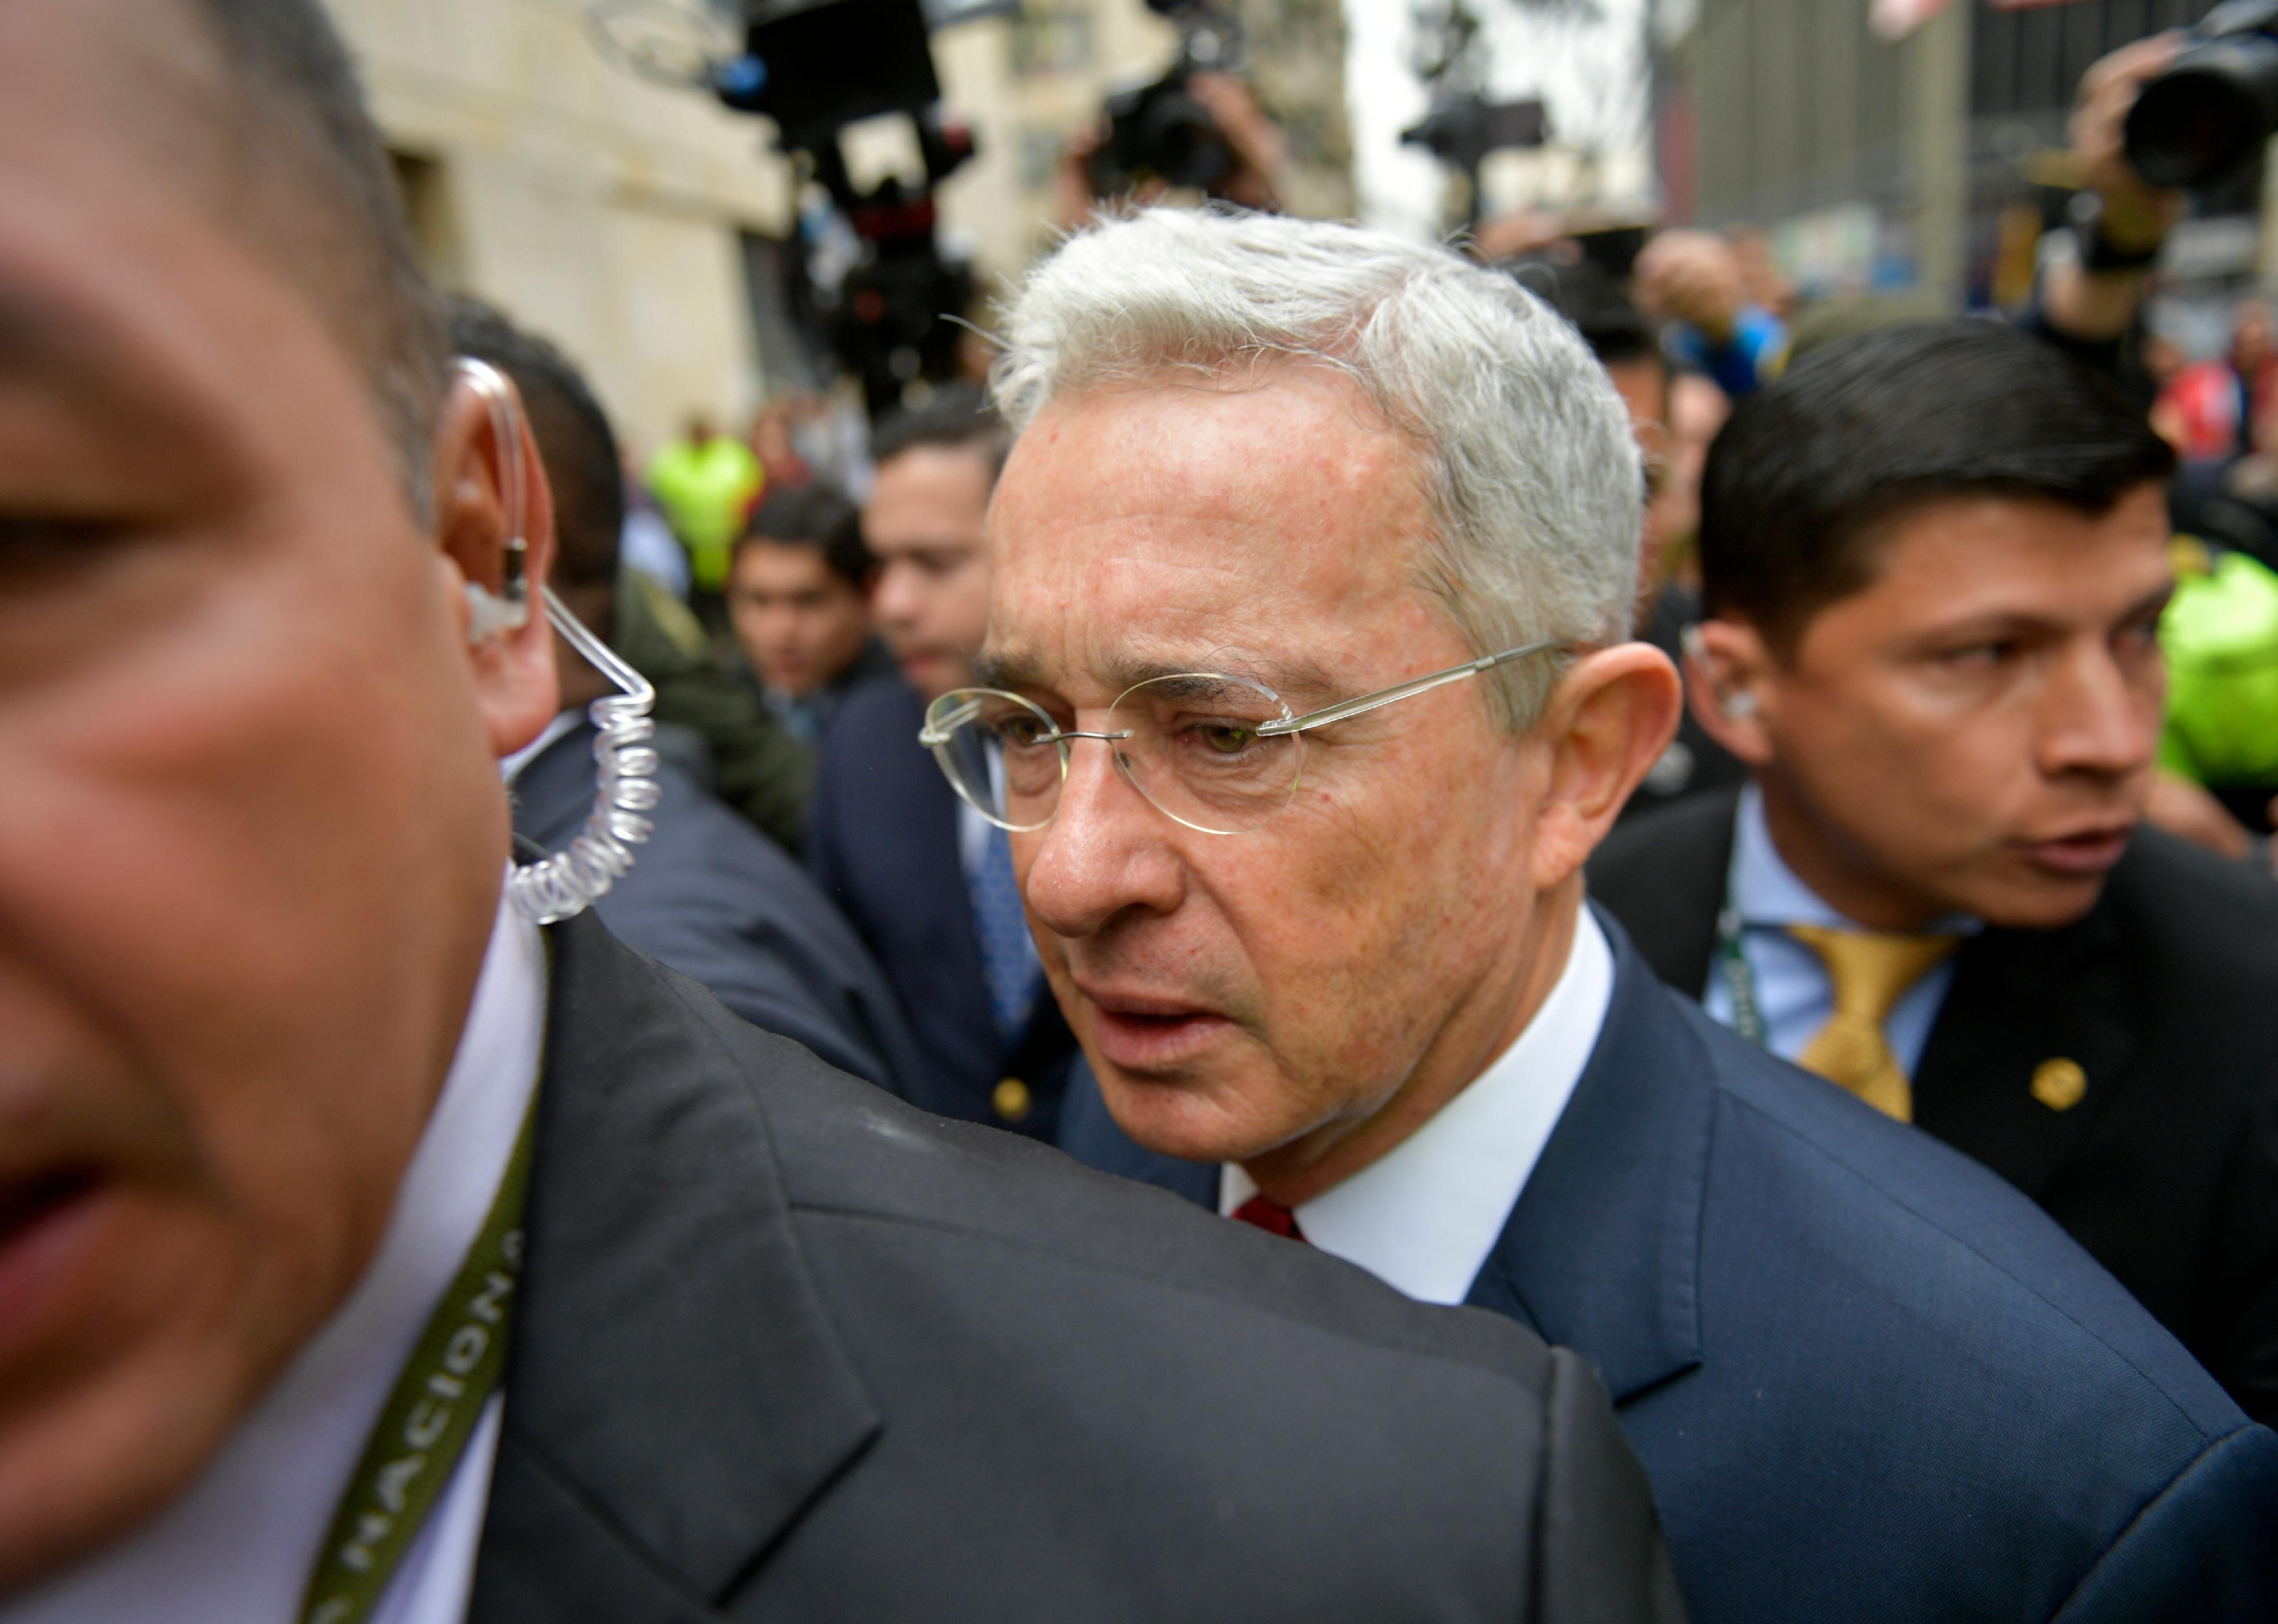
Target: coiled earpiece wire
569, 881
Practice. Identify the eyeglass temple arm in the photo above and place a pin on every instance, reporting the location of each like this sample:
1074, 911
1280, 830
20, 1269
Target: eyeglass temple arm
1389, 696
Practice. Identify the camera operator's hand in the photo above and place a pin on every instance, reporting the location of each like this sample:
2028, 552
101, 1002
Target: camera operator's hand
2133, 217
1694, 277
2136, 215
1254, 181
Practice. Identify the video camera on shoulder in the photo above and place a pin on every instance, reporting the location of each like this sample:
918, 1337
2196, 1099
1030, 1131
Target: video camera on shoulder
1159, 132
2215, 104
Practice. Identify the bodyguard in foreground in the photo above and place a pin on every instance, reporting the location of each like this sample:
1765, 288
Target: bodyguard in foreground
303, 1127
1311, 575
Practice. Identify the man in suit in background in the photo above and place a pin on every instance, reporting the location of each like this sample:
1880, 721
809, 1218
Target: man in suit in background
1935, 559
799, 596
1308, 669
370, 1251
710, 896
926, 879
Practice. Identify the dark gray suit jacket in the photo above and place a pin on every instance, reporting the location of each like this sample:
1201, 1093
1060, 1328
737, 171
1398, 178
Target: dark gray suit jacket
787, 1348
716, 900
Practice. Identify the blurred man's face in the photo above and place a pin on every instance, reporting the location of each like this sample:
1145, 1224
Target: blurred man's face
251, 832
1267, 992
800, 622
1973, 731
925, 525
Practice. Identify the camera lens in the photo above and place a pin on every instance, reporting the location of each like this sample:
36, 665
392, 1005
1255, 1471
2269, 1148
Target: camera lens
1183, 143
2207, 113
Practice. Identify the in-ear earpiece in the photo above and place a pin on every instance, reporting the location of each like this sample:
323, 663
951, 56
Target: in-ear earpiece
1738, 707
490, 613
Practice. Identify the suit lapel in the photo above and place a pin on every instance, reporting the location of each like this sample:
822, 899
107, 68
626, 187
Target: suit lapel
1602, 1251
677, 1394
2022, 1001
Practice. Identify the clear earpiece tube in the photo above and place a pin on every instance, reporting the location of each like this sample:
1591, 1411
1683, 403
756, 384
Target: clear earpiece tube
571, 881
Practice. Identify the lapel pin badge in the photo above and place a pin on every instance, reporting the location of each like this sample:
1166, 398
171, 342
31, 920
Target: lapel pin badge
2058, 1083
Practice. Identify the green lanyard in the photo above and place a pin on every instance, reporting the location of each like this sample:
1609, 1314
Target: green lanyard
1740, 980
418, 1441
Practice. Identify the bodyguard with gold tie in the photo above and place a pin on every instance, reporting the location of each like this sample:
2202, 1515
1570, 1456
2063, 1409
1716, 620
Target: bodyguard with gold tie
1935, 561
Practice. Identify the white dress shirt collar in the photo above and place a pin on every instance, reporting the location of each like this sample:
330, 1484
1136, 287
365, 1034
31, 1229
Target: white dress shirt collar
238, 1547
1425, 1217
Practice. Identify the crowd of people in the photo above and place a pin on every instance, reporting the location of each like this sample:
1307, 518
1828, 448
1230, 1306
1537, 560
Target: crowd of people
1403, 935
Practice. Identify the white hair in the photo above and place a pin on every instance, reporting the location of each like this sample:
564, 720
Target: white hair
1533, 476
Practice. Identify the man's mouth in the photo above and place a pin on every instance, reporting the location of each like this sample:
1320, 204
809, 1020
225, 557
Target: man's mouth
25, 1203
38, 1215
1142, 1032
2082, 854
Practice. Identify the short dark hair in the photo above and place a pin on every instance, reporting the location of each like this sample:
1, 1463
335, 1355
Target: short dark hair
817, 517
1594, 305
293, 117
957, 417
583, 467
1801, 485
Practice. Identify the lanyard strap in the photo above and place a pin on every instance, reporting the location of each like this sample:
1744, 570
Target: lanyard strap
417, 1443
1740, 980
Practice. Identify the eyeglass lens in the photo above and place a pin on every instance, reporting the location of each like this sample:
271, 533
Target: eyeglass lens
1189, 742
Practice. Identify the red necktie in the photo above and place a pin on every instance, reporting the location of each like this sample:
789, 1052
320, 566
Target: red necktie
1272, 1216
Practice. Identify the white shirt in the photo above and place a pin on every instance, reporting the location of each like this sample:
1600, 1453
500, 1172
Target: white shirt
238, 1547
1793, 995
1424, 1217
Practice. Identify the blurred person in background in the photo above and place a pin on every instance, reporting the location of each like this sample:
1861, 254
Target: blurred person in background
2208, 408
926, 878
708, 895
1310, 579
798, 598
373, 1252
704, 483
1629, 349
1697, 283
737, 748
1935, 561
648, 544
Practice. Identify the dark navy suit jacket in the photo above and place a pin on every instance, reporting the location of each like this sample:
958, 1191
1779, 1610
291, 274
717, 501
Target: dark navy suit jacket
719, 902
1868, 1380
883, 839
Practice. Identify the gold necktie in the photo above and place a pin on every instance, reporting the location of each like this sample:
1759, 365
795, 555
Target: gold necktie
1869, 972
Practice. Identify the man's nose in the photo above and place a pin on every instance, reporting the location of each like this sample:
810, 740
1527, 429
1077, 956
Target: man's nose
2100, 718
891, 599
1105, 850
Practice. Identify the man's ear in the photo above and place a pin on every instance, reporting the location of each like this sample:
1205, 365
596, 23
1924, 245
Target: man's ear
1728, 680
516, 684
1607, 724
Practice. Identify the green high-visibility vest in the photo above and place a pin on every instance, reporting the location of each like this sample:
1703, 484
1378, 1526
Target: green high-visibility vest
2220, 637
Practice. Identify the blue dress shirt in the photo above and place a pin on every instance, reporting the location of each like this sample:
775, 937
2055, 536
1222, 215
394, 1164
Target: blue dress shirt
1793, 996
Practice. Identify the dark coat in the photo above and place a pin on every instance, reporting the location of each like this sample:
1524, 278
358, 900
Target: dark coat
786, 1348
883, 840
2166, 994
1870, 1381
716, 900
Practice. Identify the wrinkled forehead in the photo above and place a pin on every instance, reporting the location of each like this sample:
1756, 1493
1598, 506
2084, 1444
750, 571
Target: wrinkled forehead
1274, 529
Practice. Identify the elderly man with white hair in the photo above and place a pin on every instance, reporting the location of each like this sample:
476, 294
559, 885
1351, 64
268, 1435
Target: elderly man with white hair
1306, 693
